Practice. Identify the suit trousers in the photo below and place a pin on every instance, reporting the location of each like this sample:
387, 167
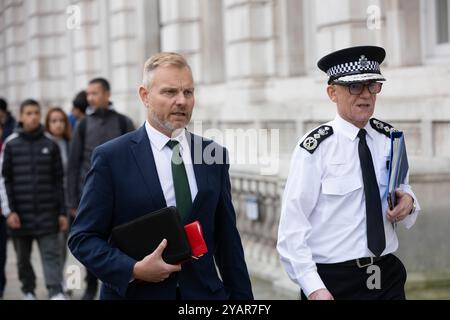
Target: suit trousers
384, 280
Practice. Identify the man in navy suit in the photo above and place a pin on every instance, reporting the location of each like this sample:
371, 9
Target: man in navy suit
135, 174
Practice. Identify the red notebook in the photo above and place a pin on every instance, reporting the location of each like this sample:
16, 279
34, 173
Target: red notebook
194, 235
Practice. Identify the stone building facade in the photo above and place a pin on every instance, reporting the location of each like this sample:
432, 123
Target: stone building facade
254, 62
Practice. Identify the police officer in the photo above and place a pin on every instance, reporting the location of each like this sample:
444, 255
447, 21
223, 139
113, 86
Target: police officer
336, 230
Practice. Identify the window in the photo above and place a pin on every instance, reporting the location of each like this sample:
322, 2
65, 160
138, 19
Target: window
435, 30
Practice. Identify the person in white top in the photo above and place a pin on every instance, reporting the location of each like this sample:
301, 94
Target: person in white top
336, 234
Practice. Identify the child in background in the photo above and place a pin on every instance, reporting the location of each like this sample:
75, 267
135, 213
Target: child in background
58, 126
32, 199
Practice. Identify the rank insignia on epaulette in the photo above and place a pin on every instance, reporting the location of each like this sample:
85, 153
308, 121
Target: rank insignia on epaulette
312, 141
382, 127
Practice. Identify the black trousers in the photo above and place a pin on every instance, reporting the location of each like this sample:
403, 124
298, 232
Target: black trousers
49, 250
3, 238
354, 283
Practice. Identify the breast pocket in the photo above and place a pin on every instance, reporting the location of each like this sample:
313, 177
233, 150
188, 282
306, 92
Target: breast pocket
339, 194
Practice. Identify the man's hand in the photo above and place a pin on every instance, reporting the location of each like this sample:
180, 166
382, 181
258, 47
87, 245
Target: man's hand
153, 268
73, 212
403, 207
321, 294
13, 221
63, 223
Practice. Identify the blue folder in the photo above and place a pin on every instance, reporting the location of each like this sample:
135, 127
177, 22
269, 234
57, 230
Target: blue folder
398, 166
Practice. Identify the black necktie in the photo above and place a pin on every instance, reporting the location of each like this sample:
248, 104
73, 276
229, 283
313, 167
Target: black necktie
376, 240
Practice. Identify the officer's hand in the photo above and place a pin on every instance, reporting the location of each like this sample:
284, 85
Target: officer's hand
63, 223
321, 294
13, 221
403, 207
153, 268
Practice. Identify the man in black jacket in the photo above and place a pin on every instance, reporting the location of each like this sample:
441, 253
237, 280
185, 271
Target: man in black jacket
100, 125
32, 198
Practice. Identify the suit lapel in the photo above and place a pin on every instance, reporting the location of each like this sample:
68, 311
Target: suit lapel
200, 171
142, 152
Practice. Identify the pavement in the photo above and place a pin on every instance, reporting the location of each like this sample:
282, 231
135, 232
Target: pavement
74, 276
12, 290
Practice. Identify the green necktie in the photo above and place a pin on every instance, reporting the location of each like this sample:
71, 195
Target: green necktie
183, 196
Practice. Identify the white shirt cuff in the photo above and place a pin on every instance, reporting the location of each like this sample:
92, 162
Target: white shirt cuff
311, 282
409, 221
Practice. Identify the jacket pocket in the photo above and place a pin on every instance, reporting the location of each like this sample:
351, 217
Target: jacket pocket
207, 273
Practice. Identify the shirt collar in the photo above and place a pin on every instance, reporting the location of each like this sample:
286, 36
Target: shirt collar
351, 131
370, 131
159, 140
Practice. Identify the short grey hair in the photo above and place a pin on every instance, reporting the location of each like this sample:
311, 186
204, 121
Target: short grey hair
162, 59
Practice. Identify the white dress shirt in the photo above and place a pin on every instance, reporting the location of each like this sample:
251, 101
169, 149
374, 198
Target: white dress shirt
323, 215
163, 156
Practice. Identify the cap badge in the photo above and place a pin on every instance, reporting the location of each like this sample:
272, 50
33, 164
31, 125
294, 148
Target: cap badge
363, 63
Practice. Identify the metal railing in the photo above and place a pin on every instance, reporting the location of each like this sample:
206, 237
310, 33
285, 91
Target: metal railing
261, 195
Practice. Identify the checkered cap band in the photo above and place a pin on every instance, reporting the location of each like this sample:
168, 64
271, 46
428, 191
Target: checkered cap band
353, 67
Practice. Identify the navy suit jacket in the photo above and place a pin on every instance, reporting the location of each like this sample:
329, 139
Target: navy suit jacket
122, 185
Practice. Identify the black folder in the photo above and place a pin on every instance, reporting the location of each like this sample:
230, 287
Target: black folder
140, 237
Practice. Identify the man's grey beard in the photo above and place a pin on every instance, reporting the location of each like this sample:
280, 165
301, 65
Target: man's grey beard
166, 125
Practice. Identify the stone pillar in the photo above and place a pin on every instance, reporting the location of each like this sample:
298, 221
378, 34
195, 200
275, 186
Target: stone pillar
15, 59
212, 46
147, 29
403, 25
114, 40
147, 32
45, 77
250, 54
290, 49
345, 23
180, 31
87, 58
127, 48
310, 45
249, 39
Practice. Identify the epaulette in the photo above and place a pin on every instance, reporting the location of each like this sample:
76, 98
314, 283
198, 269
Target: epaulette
382, 127
312, 141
